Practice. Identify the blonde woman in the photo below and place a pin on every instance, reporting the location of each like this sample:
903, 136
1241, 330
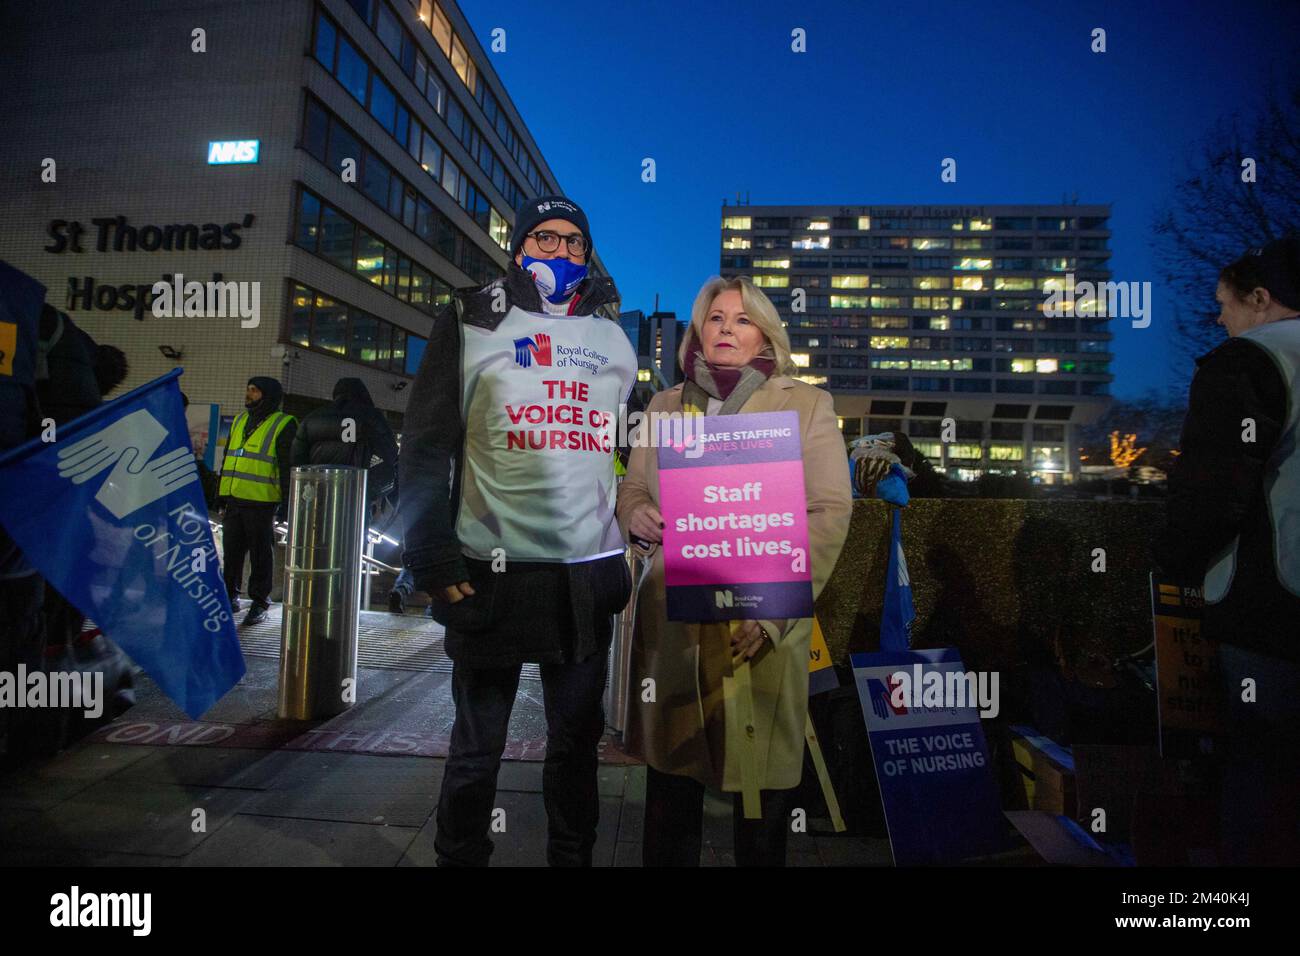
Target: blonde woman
736, 358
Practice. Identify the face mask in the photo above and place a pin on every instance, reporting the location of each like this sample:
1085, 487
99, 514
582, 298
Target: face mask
556, 278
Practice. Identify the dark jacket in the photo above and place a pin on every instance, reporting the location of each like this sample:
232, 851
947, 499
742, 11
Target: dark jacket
319, 440
533, 611
71, 388
272, 398
1216, 492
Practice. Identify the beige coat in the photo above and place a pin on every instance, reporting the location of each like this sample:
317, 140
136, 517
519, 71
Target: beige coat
683, 731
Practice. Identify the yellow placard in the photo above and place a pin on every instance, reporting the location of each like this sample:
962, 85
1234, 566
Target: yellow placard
8, 346
819, 655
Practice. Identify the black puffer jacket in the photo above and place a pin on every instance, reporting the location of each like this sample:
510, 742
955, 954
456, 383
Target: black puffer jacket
320, 435
71, 388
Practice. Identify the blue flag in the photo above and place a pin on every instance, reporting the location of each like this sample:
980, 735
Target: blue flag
896, 621
112, 515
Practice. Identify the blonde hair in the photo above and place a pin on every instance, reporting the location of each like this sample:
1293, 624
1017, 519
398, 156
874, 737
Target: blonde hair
759, 309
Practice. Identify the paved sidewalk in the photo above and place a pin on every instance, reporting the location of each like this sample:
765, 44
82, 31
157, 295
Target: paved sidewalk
242, 788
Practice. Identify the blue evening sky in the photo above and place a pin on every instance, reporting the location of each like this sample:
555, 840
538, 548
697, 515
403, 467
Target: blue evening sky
713, 93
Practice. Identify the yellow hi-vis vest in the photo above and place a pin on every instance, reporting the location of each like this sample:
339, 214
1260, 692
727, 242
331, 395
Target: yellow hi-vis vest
250, 469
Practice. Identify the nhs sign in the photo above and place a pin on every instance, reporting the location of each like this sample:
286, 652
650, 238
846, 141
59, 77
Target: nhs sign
233, 151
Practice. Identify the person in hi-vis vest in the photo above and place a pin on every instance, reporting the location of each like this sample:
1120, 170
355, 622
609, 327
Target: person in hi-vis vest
254, 491
1233, 527
508, 487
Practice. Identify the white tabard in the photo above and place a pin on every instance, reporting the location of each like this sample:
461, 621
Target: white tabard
540, 400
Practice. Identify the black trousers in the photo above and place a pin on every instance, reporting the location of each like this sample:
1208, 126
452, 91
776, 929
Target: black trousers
249, 529
674, 824
575, 720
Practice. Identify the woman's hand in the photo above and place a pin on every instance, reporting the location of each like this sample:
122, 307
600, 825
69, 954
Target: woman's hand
647, 523
747, 639
457, 592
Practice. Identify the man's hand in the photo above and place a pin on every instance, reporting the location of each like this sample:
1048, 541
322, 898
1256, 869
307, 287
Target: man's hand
647, 523
747, 639
457, 592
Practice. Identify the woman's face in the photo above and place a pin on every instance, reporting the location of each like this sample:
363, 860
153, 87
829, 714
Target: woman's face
1237, 315
728, 337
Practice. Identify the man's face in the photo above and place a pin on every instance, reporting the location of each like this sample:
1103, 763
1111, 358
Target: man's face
252, 395
546, 235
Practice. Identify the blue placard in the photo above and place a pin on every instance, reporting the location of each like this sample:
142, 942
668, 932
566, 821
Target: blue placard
936, 782
229, 151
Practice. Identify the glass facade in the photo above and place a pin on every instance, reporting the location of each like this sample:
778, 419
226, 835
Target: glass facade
1001, 263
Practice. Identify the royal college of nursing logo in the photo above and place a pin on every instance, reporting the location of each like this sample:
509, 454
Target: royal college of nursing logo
533, 349
126, 446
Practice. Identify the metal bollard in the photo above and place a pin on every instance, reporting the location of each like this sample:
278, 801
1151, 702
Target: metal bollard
620, 659
322, 591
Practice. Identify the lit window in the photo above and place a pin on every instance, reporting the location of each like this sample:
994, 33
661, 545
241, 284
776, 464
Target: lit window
931, 365
643, 375
800, 359
864, 222
771, 282
965, 451
849, 301
736, 222
969, 283
962, 365
441, 30
889, 302
940, 323
895, 364
1022, 365
1013, 283
981, 225
811, 379
932, 282
735, 242
930, 449
771, 263
889, 341
819, 224
499, 230
929, 243
1048, 458
811, 242
890, 322
1045, 365
967, 263
850, 282
1006, 453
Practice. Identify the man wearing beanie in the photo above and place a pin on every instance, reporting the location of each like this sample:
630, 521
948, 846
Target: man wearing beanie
1233, 527
508, 489
254, 489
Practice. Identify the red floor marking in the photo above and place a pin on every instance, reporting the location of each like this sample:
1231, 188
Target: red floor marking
292, 736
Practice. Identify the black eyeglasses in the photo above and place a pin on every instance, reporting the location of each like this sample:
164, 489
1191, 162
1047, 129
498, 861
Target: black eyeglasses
550, 241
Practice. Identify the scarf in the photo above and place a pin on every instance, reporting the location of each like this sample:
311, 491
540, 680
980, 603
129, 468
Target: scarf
730, 385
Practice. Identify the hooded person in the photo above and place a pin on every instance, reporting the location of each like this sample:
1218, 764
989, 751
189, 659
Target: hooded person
255, 490
347, 431
508, 487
